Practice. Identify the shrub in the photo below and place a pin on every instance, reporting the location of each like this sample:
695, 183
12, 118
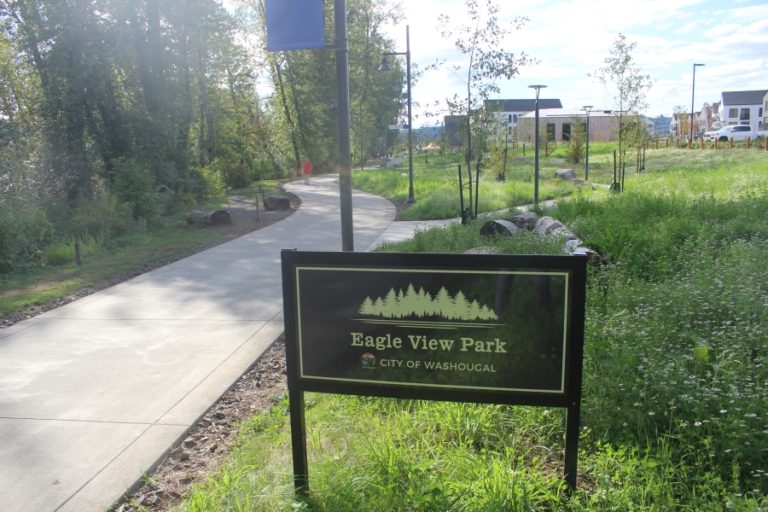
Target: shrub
24, 231
134, 186
101, 218
212, 183
63, 251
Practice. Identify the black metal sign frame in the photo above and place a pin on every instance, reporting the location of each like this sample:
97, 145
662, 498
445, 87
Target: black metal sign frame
498, 329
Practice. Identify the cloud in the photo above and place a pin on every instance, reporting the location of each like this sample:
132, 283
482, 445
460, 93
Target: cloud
573, 38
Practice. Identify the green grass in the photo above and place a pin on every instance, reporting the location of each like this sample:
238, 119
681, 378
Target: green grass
436, 188
675, 376
103, 261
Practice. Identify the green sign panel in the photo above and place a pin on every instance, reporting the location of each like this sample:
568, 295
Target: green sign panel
484, 328
473, 328
499, 330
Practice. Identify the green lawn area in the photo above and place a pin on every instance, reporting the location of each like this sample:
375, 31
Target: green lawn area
675, 375
110, 259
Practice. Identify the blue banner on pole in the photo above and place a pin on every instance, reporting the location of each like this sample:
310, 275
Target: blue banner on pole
294, 24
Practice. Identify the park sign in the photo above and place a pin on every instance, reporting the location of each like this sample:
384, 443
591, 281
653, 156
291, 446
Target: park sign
475, 328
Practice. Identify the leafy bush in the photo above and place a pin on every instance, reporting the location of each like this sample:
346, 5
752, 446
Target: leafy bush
101, 218
24, 231
134, 185
63, 252
234, 172
213, 184
685, 356
645, 232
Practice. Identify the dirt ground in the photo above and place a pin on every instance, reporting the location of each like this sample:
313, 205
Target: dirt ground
209, 440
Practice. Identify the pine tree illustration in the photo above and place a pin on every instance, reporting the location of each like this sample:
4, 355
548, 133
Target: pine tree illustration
378, 307
421, 304
391, 304
367, 307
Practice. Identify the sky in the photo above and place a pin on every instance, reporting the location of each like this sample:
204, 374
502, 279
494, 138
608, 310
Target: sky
571, 39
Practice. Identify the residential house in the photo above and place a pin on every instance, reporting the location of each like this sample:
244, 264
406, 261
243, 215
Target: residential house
716, 121
680, 126
559, 123
742, 107
764, 120
675, 125
506, 113
708, 119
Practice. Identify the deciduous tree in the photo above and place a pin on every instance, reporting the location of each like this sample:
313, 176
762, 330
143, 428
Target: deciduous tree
628, 86
481, 38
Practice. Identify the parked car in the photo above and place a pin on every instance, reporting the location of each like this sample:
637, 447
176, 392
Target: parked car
737, 132
709, 136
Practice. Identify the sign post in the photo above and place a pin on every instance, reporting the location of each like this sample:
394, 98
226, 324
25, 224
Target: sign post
299, 24
466, 328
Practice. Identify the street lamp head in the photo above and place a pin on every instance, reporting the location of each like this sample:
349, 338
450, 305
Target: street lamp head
698, 64
384, 66
587, 108
538, 88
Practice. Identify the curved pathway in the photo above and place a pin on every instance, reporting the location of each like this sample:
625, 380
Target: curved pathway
94, 393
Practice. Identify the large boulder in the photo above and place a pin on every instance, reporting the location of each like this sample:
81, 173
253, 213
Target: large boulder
498, 227
526, 220
209, 218
547, 225
593, 257
277, 203
565, 174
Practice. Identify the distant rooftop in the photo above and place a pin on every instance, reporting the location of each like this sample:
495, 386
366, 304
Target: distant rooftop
567, 112
522, 105
744, 97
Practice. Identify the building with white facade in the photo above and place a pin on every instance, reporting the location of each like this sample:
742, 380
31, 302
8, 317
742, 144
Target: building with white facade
742, 107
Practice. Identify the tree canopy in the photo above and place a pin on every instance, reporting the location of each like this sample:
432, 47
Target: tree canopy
140, 107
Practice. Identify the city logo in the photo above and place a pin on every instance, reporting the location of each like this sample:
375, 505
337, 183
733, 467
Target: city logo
368, 360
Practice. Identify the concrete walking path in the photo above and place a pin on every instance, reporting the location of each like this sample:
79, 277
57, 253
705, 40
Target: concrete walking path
92, 394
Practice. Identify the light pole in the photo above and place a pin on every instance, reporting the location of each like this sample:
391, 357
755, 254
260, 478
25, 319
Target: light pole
538, 88
588, 110
693, 91
342, 99
385, 67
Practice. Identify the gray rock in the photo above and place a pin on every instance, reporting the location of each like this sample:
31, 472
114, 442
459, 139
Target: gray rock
498, 227
277, 203
545, 225
220, 218
525, 220
204, 218
593, 257
565, 174
553, 227
571, 245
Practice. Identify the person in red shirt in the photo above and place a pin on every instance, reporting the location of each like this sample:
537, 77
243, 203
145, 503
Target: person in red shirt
306, 167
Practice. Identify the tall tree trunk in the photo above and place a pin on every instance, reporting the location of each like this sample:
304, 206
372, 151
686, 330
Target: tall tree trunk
300, 125
182, 139
206, 148
284, 101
